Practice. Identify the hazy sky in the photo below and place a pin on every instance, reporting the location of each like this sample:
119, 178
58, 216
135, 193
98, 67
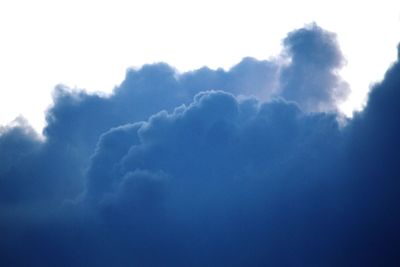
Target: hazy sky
90, 44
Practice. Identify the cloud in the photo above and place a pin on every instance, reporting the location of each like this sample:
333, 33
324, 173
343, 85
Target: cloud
311, 79
373, 175
74, 117
19, 145
208, 168
248, 77
77, 119
211, 163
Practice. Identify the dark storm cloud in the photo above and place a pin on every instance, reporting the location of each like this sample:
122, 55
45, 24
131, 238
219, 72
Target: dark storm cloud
374, 173
190, 170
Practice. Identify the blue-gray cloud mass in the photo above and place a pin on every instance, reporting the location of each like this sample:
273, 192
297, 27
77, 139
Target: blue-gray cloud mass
242, 167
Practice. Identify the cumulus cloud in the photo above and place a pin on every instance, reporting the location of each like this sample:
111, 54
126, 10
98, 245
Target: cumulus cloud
244, 167
211, 163
19, 144
311, 79
74, 117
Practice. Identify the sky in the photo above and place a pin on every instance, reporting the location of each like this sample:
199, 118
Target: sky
180, 164
89, 45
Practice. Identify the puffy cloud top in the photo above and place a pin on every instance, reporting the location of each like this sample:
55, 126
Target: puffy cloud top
311, 78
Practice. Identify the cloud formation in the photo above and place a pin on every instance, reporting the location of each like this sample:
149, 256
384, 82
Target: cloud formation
311, 79
245, 167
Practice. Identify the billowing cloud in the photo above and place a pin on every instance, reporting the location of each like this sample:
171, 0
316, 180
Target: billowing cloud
245, 167
21, 143
74, 117
311, 79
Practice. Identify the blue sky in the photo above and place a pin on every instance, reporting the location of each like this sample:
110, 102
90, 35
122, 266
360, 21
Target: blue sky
250, 165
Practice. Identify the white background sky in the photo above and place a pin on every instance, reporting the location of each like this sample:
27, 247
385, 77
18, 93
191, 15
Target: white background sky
89, 44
